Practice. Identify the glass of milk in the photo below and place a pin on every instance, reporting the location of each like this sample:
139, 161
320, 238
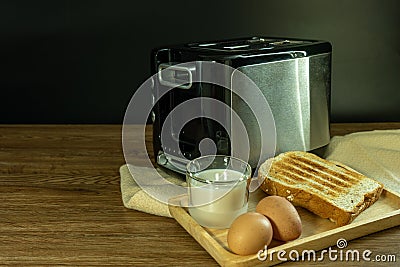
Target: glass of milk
218, 189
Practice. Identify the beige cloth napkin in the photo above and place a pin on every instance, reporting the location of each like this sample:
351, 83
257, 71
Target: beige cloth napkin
374, 153
135, 198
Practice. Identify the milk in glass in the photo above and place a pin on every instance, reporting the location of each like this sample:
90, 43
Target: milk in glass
218, 203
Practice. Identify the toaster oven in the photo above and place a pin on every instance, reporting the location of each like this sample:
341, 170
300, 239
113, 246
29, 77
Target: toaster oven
293, 75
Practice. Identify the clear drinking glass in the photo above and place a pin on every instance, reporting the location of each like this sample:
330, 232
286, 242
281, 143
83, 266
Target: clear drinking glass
218, 189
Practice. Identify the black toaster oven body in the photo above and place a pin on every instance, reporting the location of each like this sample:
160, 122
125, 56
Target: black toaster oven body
235, 53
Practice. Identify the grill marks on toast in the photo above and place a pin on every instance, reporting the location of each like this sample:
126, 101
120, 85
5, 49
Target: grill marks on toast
291, 174
343, 177
327, 188
328, 181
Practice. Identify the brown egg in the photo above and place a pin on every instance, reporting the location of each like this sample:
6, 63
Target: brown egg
285, 219
249, 233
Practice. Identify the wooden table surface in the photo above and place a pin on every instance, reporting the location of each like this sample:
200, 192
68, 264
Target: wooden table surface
60, 204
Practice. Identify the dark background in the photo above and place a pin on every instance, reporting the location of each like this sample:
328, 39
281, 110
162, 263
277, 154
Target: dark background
81, 61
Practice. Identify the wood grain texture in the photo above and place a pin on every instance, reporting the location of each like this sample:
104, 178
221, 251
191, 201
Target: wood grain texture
60, 203
317, 233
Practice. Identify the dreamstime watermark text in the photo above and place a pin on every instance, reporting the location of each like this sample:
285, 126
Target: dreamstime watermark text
332, 254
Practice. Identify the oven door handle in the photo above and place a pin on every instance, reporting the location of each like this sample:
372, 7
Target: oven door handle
175, 75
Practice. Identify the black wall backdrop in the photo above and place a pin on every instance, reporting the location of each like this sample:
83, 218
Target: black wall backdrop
81, 61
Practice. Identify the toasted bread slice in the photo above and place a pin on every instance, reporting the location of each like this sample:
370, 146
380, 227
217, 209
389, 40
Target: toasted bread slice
326, 188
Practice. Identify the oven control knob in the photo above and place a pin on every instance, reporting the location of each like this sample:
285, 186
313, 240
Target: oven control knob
162, 159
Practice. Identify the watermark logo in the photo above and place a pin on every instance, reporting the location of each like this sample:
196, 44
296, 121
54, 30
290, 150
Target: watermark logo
341, 243
340, 254
242, 139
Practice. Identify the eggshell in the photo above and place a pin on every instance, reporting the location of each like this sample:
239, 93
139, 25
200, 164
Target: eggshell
249, 233
285, 219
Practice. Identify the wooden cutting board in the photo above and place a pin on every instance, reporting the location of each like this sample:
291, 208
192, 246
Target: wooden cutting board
317, 233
